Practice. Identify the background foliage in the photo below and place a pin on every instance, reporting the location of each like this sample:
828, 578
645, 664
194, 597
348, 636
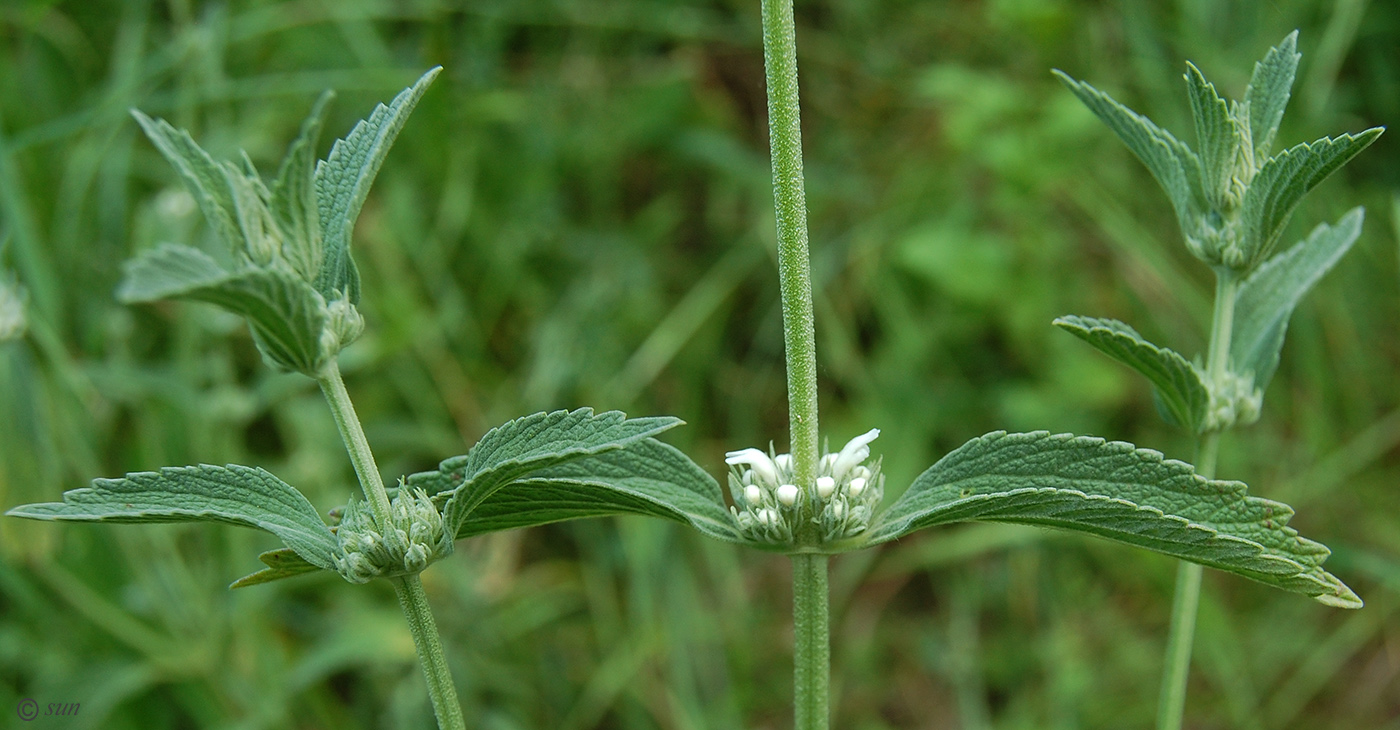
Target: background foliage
579, 214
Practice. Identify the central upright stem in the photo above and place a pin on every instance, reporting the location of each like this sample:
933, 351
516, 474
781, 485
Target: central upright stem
790, 200
1171, 702
408, 588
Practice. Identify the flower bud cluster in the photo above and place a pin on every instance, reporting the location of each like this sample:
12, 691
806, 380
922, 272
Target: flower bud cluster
771, 507
414, 538
1233, 401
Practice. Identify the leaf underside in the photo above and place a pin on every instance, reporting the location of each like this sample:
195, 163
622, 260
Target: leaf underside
1120, 492
284, 563
1268, 297
1180, 386
286, 315
233, 494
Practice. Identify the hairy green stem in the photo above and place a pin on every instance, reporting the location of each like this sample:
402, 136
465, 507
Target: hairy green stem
1171, 702
811, 643
425, 638
794, 268
333, 387
409, 588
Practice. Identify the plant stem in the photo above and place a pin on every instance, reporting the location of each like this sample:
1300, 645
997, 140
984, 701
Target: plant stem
408, 588
811, 643
441, 690
333, 387
1171, 703
790, 201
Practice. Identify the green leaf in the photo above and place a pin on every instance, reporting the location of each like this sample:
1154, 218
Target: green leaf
239, 495
1268, 93
343, 180
1175, 166
1180, 385
203, 176
294, 195
1268, 297
1285, 179
645, 478
284, 563
526, 445
1216, 137
1120, 492
285, 314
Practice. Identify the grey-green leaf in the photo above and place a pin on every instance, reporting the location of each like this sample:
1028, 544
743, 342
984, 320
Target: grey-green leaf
285, 314
1268, 93
1120, 492
239, 495
202, 175
284, 563
1270, 294
645, 478
1175, 166
526, 445
294, 195
1180, 385
1216, 137
343, 181
1285, 179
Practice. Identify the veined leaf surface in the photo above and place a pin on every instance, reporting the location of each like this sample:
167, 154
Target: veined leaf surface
239, 495
1117, 491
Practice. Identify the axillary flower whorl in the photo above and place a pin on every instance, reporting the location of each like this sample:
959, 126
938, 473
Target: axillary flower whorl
414, 538
771, 508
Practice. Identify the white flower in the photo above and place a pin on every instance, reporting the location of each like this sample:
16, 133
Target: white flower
764, 468
856, 451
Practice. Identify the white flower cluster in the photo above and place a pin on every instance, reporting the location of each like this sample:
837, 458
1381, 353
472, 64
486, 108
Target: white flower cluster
770, 507
414, 538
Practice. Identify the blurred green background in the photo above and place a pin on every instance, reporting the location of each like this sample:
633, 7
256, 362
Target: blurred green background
579, 213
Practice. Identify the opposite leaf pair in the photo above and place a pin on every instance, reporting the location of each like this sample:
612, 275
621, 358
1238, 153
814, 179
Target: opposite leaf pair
1232, 201
291, 274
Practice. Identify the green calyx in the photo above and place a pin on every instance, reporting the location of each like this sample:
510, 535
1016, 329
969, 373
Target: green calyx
414, 538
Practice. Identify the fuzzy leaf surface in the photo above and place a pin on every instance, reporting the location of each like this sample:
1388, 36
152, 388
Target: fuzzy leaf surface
1180, 385
1216, 137
239, 495
1176, 167
284, 563
1268, 297
343, 181
517, 448
294, 195
1120, 492
286, 315
1269, 89
1285, 179
645, 478
203, 176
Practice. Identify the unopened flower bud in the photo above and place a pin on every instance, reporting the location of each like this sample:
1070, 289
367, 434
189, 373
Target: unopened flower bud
825, 486
787, 494
753, 495
857, 486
